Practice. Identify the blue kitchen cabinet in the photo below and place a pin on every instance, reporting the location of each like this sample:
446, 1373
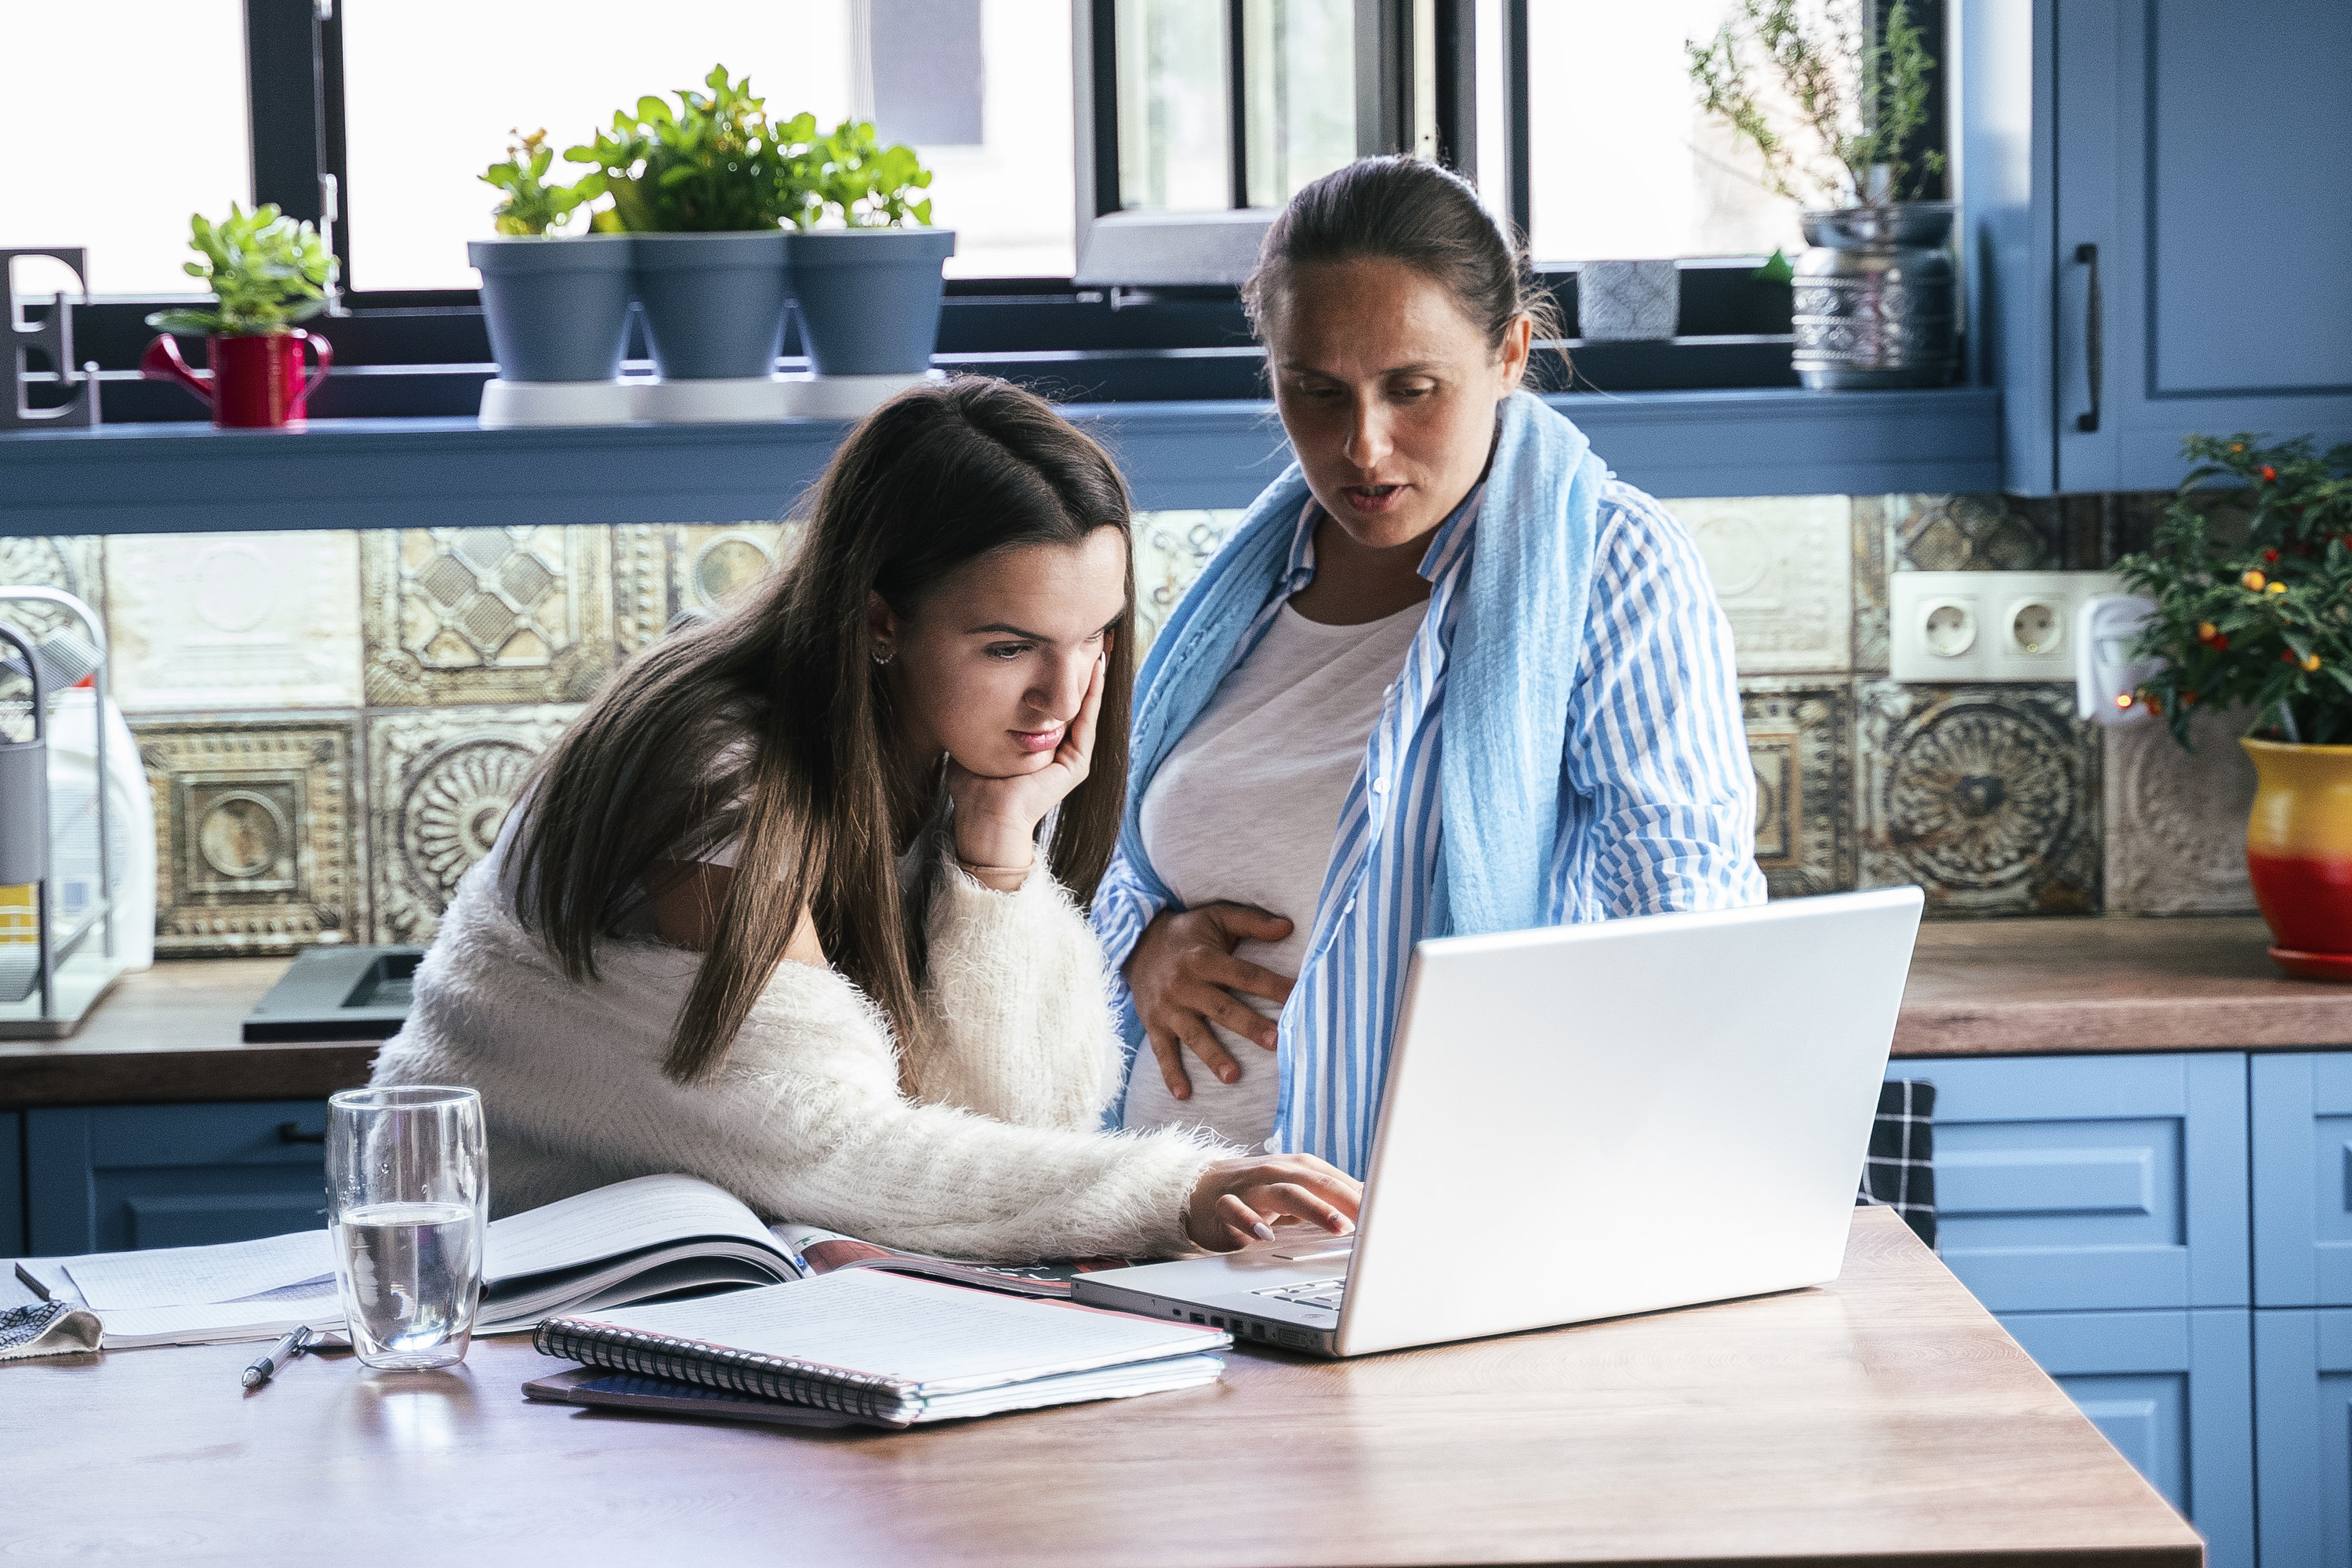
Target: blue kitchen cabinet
2302, 1120
2092, 1183
2174, 1393
2155, 218
12, 1184
2303, 1403
109, 1178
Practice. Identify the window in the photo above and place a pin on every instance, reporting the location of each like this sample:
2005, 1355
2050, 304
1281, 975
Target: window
133, 115
980, 87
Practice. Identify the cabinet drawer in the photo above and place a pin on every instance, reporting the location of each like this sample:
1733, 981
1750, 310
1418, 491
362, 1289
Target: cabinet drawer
2174, 1393
12, 1184
112, 1178
2302, 1118
2303, 1382
2092, 1183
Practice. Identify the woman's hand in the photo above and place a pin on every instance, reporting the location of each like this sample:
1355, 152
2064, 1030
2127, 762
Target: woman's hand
996, 819
1236, 1202
1184, 974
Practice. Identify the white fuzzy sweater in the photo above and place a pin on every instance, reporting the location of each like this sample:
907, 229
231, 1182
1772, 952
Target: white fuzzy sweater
994, 1158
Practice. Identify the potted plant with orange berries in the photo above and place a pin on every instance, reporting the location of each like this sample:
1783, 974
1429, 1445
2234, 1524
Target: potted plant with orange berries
2263, 619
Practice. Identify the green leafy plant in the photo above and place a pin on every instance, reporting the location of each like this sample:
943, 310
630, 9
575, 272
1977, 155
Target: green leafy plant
714, 164
265, 270
531, 205
2264, 620
865, 183
1850, 103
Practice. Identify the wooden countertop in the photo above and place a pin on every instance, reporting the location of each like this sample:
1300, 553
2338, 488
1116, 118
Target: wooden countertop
169, 1035
1976, 988
1883, 1420
2050, 986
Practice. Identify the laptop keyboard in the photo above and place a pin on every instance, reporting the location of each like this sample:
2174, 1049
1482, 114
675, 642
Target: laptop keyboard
1323, 1293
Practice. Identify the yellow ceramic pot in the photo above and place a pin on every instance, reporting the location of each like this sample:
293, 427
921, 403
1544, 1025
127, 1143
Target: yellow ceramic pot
2299, 855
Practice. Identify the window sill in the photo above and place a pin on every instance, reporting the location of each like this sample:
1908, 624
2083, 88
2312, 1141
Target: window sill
448, 472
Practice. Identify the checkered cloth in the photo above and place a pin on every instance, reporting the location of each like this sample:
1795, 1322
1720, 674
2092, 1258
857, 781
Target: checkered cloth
1900, 1170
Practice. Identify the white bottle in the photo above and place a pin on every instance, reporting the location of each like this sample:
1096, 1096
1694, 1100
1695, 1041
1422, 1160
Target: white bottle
73, 824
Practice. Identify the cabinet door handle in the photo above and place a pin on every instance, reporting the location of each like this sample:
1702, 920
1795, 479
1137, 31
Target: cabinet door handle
2094, 334
292, 1133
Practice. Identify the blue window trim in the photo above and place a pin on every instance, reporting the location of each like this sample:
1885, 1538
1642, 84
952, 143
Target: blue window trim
395, 473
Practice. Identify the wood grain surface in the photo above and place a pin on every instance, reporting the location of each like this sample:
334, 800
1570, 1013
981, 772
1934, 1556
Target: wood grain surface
2012, 987
170, 1035
1886, 1419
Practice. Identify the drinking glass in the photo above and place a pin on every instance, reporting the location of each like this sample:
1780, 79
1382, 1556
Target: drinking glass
408, 1199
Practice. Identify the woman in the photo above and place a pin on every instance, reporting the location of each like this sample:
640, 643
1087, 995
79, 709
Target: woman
899, 1026
1448, 676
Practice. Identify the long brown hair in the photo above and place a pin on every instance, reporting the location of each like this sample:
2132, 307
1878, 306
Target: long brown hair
773, 725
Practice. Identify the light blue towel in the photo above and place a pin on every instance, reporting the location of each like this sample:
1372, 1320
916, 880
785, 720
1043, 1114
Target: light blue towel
1506, 713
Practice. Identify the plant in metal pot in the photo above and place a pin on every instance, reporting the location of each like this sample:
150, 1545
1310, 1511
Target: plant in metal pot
703, 189
867, 265
557, 307
2253, 610
1833, 100
266, 273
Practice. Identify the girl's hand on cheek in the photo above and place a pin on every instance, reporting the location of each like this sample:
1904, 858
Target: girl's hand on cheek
996, 819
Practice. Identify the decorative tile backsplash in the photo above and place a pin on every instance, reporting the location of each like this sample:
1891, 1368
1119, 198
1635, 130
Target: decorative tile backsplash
1987, 797
440, 783
256, 848
486, 614
336, 723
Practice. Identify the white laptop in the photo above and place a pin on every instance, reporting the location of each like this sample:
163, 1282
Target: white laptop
1590, 1120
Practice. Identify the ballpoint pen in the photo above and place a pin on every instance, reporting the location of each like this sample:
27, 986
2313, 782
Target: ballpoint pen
265, 1367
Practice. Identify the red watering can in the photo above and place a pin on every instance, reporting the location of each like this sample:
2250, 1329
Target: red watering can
257, 381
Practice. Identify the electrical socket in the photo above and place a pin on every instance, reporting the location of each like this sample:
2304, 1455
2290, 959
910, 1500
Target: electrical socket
1988, 625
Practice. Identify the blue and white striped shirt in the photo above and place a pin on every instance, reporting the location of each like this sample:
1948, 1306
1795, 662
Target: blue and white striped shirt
1657, 803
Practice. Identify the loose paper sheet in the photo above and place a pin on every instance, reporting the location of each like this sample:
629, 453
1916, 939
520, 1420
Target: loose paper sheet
181, 1276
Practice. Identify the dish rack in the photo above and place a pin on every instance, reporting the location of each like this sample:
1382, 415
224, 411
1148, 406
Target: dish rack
57, 954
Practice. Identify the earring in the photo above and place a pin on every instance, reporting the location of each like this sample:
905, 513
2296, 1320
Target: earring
883, 655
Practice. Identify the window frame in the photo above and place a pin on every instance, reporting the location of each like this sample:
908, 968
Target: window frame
1108, 332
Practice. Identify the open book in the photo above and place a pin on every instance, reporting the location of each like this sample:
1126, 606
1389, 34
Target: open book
634, 1241
639, 1240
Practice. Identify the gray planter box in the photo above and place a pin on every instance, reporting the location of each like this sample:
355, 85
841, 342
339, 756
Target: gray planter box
557, 309
869, 298
714, 303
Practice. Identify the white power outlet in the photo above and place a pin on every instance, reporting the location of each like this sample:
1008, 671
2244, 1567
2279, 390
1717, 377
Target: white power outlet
1988, 625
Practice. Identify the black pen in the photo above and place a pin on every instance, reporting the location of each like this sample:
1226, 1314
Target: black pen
286, 1350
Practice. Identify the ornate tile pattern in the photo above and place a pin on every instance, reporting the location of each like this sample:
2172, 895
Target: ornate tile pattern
1171, 548
71, 562
440, 785
227, 621
486, 614
2176, 821
1800, 739
1987, 796
1972, 534
1870, 650
1783, 568
254, 835
660, 571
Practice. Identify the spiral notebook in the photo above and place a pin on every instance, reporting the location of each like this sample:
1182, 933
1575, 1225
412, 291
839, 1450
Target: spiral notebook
891, 1348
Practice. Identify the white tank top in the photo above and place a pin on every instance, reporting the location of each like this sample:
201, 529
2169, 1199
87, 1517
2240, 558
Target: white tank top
1243, 810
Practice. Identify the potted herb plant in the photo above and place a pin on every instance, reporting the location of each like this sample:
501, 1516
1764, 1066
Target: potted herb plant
266, 273
701, 189
1832, 107
557, 305
2261, 616
867, 290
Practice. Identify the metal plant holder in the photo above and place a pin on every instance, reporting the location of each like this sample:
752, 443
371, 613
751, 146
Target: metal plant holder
53, 339
55, 962
1874, 298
